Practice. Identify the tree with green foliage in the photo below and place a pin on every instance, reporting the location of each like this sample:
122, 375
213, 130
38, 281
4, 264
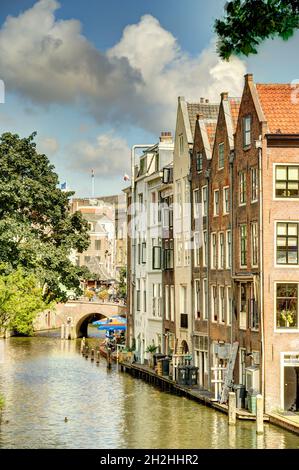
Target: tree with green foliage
21, 299
249, 22
122, 287
38, 232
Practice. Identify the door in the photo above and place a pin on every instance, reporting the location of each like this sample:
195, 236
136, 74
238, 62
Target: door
291, 388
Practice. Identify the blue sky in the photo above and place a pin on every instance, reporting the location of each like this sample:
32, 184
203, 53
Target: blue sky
93, 78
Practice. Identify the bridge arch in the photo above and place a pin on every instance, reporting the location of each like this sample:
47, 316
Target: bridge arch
80, 313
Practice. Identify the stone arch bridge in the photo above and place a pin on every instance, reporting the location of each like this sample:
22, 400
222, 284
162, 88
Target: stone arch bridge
76, 315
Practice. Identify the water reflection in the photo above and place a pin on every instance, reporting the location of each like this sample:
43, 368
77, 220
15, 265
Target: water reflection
45, 380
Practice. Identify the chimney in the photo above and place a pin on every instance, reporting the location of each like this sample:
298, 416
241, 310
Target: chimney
202, 100
166, 137
248, 77
207, 101
224, 96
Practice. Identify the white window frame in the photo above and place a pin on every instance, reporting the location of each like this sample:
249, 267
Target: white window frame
205, 287
221, 304
229, 306
254, 170
242, 185
213, 249
221, 145
285, 330
196, 298
274, 182
284, 266
204, 199
220, 264
166, 302
228, 254
204, 248
224, 191
172, 301
196, 203
252, 225
214, 203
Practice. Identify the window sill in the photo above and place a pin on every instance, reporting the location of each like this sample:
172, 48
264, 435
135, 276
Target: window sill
246, 147
286, 330
253, 202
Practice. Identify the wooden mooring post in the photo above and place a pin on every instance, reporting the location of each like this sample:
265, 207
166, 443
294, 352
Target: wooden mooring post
92, 355
232, 409
109, 358
98, 355
259, 414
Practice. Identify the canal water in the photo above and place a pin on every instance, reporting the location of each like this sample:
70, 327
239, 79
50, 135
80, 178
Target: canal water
45, 380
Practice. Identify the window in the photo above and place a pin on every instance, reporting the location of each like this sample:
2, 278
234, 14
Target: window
221, 250
168, 254
221, 304
229, 305
157, 257
196, 203
226, 200
243, 307
186, 254
204, 201
199, 162
286, 243
253, 311
228, 249
197, 298
254, 243
183, 306
179, 252
181, 144
178, 206
172, 303
254, 184
140, 202
243, 245
205, 248
196, 249
246, 131
154, 303
154, 208
220, 156
216, 202
166, 302
242, 188
214, 250
214, 303
97, 244
159, 297
138, 294
205, 299
143, 253
144, 296
287, 305
287, 181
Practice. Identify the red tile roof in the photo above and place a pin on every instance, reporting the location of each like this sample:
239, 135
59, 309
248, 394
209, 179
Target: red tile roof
280, 104
211, 131
234, 110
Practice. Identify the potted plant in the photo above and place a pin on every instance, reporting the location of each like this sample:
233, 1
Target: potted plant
103, 295
89, 294
151, 349
288, 317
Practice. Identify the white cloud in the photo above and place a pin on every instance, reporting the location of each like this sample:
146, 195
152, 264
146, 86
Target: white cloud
109, 156
48, 145
137, 81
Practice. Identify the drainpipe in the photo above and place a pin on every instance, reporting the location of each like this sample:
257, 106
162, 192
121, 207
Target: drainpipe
208, 173
258, 144
133, 227
231, 201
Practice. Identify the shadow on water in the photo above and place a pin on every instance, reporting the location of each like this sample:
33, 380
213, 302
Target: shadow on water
45, 379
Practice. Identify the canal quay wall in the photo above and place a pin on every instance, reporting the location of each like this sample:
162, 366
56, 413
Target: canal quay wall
204, 397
